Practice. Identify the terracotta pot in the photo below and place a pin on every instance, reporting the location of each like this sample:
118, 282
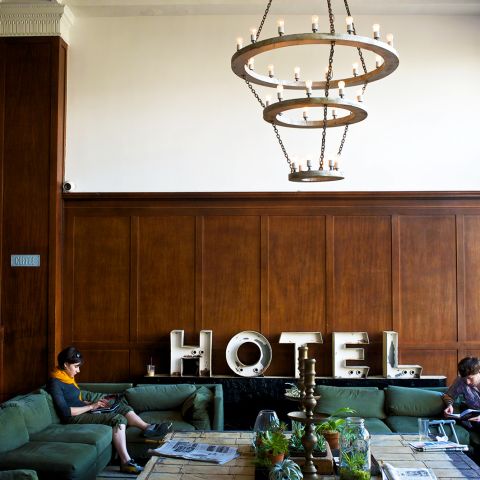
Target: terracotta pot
275, 458
332, 439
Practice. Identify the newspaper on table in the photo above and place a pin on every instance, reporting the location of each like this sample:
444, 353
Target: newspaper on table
389, 472
202, 452
438, 446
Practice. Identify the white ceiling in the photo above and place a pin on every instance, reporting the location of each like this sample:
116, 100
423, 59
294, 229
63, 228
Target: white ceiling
107, 8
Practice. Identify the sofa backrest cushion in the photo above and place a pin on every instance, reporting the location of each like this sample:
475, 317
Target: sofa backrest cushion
366, 401
13, 431
196, 407
35, 411
51, 406
149, 398
413, 402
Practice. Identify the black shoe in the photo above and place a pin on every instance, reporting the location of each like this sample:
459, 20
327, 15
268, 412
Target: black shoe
157, 429
131, 467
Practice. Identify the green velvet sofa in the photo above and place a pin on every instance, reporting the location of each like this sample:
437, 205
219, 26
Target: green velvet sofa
32, 437
392, 410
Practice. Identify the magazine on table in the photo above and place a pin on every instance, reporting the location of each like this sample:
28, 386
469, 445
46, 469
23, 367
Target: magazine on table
389, 472
432, 446
465, 415
202, 452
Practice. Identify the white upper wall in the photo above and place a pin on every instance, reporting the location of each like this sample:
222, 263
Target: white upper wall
154, 106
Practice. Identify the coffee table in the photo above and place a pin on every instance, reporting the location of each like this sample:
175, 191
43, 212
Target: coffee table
393, 449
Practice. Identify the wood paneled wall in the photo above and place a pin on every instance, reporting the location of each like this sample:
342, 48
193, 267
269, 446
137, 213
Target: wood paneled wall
137, 266
32, 110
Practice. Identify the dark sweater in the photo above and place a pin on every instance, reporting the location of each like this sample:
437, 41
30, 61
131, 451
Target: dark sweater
64, 395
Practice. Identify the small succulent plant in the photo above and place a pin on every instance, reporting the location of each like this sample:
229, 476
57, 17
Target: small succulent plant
285, 470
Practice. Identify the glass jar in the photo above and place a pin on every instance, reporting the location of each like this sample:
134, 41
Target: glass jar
266, 420
354, 450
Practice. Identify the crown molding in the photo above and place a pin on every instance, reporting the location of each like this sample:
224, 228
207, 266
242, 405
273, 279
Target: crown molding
35, 20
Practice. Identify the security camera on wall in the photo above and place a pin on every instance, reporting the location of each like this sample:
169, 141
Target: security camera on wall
68, 186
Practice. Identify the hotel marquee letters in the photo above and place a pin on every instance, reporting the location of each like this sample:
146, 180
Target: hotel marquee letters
341, 352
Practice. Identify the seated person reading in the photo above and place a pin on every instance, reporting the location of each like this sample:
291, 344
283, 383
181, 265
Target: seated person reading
467, 386
68, 402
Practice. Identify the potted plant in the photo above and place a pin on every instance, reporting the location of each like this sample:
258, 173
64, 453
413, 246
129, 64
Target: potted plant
285, 470
274, 446
354, 467
295, 446
331, 427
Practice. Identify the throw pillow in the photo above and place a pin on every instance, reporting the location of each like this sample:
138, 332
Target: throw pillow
196, 406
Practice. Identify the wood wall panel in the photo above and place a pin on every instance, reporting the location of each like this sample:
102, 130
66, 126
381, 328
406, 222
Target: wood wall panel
230, 281
296, 244
102, 365
433, 361
166, 277
428, 303
273, 263
472, 276
362, 291
101, 280
32, 91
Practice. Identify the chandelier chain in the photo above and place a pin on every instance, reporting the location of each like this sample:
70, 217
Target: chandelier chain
263, 19
344, 136
347, 8
282, 146
331, 17
327, 90
260, 101
277, 133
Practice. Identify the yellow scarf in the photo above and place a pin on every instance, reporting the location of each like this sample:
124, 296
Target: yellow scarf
64, 377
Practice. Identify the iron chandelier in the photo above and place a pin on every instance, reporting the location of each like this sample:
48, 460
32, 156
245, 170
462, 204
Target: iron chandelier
338, 111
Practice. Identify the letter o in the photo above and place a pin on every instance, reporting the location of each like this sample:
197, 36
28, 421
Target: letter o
239, 367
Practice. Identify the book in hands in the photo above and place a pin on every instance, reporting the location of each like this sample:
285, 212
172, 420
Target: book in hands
465, 415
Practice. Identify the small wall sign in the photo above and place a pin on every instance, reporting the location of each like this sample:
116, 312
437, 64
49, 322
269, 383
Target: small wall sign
25, 260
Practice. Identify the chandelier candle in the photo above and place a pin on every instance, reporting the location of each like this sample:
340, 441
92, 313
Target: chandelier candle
296, 73
349, 22
239, 43
284, 113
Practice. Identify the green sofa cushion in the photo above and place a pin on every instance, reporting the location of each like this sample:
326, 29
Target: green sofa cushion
196, 407
35, 411
375, 426
73, 461
158, 397
13, 431
413, 402
366, 401
18, 475
51, 406
404, 424
98, 435
108, 388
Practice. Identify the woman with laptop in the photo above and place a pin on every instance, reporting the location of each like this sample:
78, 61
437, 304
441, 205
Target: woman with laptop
71, 408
